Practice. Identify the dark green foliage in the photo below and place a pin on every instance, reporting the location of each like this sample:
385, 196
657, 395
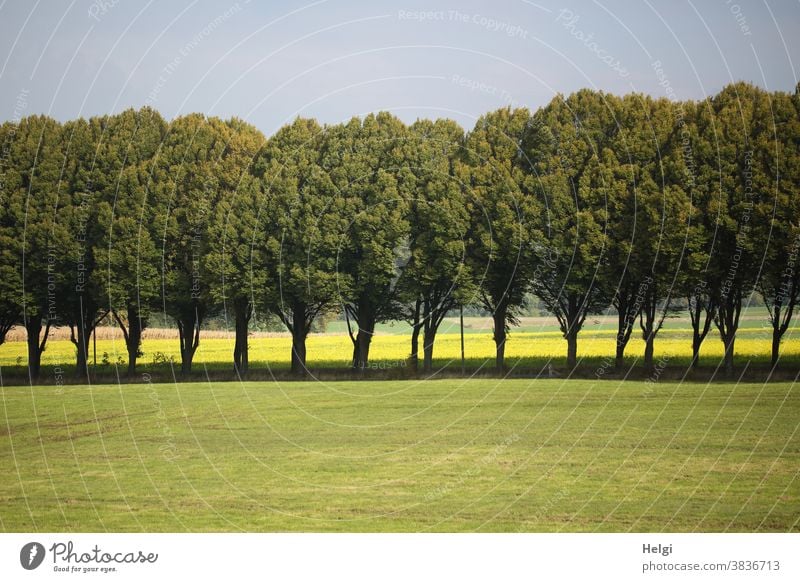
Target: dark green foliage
235, 260
592, 203
777, 215
570, 147
310, 218
127, 256
743, 134
503, 209
367, 164
188, 182
10, 241
34, 199
437, 275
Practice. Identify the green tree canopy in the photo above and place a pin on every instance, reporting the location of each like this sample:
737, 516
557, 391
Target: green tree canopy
127, 253
570, 147
502, 208
188, 188
366, 162
235, 259
303, 243
34, 199
743, 130
438, 275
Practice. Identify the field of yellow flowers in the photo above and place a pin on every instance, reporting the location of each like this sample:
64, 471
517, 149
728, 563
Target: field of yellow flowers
390, 348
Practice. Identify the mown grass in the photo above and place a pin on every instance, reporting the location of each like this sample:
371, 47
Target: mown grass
452, 455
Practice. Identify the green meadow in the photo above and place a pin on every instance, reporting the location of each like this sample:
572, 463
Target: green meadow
434, 455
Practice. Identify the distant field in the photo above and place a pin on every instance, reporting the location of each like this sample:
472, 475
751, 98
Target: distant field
455, 455
534, 343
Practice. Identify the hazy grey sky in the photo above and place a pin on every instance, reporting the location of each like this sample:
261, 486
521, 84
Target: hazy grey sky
268, 62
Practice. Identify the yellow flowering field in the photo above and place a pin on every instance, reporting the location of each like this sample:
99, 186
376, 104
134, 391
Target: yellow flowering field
392, 350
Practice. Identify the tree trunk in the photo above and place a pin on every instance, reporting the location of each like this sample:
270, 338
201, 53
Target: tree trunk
240, 349
727, 321
363, 341
354, 359
33, 327
427, 348
729, 342
189, 337
697, 341
696, 311
619, 361
366, 329
623, 331
776, 345
299, 333
500, 335
299, 353
648, 324
134, 341
648, 335
781, 318
413, 360
649, 348
81, 341
572, 349
571, 324
186, 363
85, 320
187, 356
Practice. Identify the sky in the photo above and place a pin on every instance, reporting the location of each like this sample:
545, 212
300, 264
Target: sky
269, 62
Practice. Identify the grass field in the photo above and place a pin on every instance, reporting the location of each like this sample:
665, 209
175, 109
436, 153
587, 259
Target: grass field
451, 455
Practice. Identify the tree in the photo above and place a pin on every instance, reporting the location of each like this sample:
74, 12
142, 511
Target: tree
303, 241
501, 209
365, 161
127, 256
33, 201
568, 144
699, 281
235, 258
651, 222
437, 276
87, 174
673, 234
188, 189
777, 224
10, 241
743, 117
621, 175
670, 232
10, 282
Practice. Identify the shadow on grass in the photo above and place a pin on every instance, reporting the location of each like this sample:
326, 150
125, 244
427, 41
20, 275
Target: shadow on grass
589, 368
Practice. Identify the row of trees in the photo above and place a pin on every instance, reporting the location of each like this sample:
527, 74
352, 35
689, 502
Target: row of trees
594, 202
